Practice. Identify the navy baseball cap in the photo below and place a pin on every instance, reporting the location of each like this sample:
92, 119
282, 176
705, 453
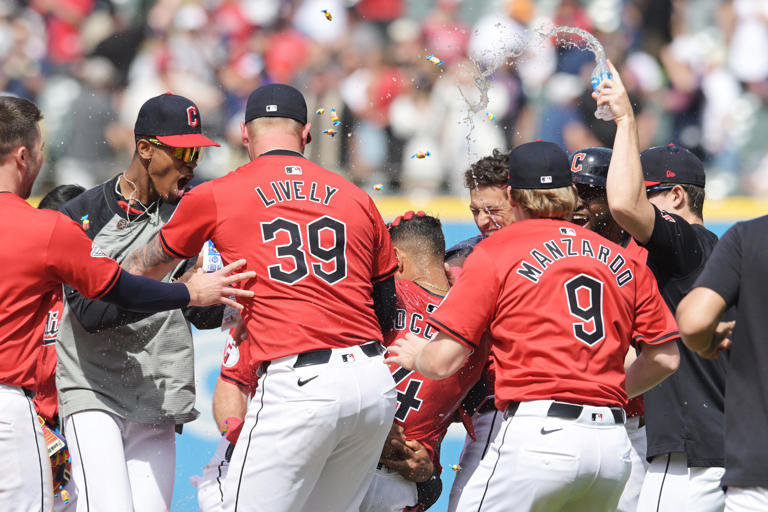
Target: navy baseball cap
671, 164
173, 120
277, 100
539, 165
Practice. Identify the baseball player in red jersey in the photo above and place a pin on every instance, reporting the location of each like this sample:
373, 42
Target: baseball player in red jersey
424, 407
325, 290
560, 304
41, 250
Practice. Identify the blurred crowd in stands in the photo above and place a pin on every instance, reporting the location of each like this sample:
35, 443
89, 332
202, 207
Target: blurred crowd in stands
697, 71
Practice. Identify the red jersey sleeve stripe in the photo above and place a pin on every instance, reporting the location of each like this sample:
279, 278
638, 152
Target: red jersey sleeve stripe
110, 285
234, 381
453, 334
169, 250
385, 275
666, 337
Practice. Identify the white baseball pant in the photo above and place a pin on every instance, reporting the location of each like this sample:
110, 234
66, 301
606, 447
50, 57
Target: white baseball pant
312, 435
486, 426
639, 441
671, 485
25, 474
389, 492
746, 499
119, 465
210, 485
539, 462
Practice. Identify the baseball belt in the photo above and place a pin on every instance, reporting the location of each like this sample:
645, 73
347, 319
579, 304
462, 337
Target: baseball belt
566, 411
323, 355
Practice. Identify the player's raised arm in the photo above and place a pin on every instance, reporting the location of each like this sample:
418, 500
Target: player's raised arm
625, 185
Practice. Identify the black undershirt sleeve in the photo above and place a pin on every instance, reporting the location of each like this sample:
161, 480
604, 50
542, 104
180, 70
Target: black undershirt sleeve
138, 293
98, 315
385, 303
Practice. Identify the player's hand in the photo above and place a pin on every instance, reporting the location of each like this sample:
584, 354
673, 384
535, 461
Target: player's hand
207, 289
240, 334
391, 450
404, 351
611, 92
415, 466
721, 340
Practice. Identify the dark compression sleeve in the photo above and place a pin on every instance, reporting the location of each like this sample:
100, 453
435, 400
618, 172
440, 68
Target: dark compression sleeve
143, 294
385, 303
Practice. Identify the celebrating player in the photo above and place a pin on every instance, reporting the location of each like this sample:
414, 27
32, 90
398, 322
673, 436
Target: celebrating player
42, 249
736, 274
658, 198
560, 304
324, 263
425, 407
486, 180
589, 168
122, 401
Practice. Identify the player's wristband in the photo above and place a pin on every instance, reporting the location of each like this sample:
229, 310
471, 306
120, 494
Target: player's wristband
230, 428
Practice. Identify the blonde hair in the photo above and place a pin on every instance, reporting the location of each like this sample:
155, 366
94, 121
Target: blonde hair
553, 202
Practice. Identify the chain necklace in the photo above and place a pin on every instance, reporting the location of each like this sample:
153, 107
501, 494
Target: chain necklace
433, 286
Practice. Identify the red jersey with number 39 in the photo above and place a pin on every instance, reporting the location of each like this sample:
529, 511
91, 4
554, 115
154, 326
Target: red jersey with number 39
317, 244
40, 250
561, 304
424, 406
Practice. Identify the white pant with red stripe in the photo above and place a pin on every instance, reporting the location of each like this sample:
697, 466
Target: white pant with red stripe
25, 471
312, 435
119, 465
543, 463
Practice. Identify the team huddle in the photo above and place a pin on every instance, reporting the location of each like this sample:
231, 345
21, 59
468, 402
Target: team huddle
551, 335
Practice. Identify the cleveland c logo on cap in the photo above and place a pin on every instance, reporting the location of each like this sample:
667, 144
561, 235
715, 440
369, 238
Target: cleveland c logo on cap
577, 159
193, 118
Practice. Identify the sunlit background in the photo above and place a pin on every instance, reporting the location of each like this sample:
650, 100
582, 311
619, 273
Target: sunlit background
697, 71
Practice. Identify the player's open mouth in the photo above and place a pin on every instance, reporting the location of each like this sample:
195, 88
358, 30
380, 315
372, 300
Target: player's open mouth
579, 218
182, 184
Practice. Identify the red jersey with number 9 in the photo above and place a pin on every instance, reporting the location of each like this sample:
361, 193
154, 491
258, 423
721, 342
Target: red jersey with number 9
40, 250
561, 304
317, 244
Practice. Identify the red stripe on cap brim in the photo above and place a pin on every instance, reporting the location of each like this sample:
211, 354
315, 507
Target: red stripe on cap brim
188, 140
651, 183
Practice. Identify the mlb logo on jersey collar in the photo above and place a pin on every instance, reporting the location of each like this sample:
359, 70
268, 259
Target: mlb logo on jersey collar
348, 358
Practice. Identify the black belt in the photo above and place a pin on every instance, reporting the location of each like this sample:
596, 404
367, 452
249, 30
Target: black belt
488, 406
29, 393
323, 355
567, 411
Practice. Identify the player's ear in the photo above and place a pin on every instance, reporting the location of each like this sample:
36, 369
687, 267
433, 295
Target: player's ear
679, 197
305, 137
21, 156
244, 137
400, 255
144, 149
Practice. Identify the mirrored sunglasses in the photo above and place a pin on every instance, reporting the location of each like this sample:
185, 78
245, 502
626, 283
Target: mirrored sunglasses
186, 155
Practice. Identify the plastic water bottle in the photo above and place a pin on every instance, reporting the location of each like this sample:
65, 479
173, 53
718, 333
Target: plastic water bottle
600, 73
